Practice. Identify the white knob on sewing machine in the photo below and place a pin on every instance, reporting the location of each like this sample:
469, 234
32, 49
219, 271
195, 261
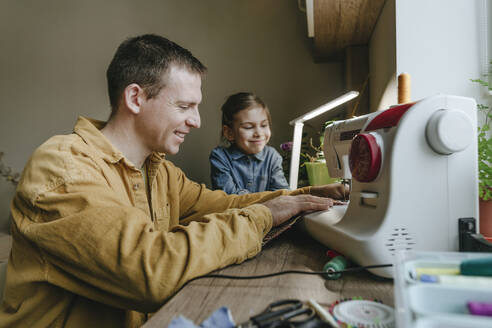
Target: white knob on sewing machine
449, 131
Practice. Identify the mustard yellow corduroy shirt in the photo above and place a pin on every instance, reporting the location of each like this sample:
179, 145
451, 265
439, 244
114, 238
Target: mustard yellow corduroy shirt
90, 249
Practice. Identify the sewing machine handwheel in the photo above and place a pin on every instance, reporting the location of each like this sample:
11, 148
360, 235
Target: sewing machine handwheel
365, 157
449, 131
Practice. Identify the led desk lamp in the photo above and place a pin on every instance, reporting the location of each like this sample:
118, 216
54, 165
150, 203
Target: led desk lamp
298, 124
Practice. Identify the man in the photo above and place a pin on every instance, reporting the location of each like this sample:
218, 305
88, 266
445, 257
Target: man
105, 229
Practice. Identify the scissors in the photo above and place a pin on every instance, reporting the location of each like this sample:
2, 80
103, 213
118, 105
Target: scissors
283, 313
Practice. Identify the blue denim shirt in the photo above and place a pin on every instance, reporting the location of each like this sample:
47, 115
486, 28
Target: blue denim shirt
238, 173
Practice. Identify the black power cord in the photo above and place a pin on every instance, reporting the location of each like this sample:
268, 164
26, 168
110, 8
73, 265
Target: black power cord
268, 275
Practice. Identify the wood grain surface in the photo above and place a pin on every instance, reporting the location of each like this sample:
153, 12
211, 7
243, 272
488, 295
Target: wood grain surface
342, 23
291, 251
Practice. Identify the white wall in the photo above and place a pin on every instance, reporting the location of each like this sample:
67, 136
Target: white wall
489, 36
439, 43
54, 55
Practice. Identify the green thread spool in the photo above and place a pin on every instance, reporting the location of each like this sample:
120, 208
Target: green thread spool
338, 263
477, 267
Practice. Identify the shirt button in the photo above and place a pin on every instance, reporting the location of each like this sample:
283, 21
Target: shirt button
136, 186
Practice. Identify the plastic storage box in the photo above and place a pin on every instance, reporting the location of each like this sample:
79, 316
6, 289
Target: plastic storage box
430, 305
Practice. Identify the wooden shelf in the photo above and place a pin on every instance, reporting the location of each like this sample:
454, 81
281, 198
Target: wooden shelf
342, 23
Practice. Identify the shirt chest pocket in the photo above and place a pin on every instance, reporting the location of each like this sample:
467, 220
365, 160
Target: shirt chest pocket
162, 218
262, 182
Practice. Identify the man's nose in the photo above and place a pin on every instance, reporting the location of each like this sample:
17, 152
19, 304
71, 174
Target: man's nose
194, 119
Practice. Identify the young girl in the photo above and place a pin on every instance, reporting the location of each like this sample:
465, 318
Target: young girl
247, 165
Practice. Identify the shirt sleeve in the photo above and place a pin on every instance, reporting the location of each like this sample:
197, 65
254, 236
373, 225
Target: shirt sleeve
222, 174
196, 200
277, 177
90, 242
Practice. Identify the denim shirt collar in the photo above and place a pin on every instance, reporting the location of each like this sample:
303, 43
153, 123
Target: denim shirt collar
237, 154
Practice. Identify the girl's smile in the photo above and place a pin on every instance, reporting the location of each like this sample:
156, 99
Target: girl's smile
250, 131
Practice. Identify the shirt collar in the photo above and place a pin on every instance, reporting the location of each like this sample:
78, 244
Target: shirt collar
237, 154
89, 130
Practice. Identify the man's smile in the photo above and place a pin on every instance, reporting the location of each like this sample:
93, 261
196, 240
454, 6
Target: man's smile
180, 135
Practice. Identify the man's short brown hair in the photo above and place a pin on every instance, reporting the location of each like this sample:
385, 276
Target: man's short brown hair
143, 60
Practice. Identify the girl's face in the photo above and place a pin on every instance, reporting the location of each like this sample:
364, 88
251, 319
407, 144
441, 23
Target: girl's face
250, 130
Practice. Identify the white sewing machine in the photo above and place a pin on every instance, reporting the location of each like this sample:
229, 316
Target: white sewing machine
414, 174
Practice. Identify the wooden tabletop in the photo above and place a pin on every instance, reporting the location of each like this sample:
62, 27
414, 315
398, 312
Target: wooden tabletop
291, 251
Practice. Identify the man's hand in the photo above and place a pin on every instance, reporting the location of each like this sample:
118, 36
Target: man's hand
334, 190
285, 207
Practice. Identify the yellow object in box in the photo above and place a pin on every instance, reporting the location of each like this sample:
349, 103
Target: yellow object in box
318, 174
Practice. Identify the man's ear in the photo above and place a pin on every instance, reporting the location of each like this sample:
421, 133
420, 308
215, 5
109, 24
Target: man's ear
227, 132
133, 96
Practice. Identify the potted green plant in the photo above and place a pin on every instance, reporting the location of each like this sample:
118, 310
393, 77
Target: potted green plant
286, 148
306, 155
312, 164
315, 164
485, 166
